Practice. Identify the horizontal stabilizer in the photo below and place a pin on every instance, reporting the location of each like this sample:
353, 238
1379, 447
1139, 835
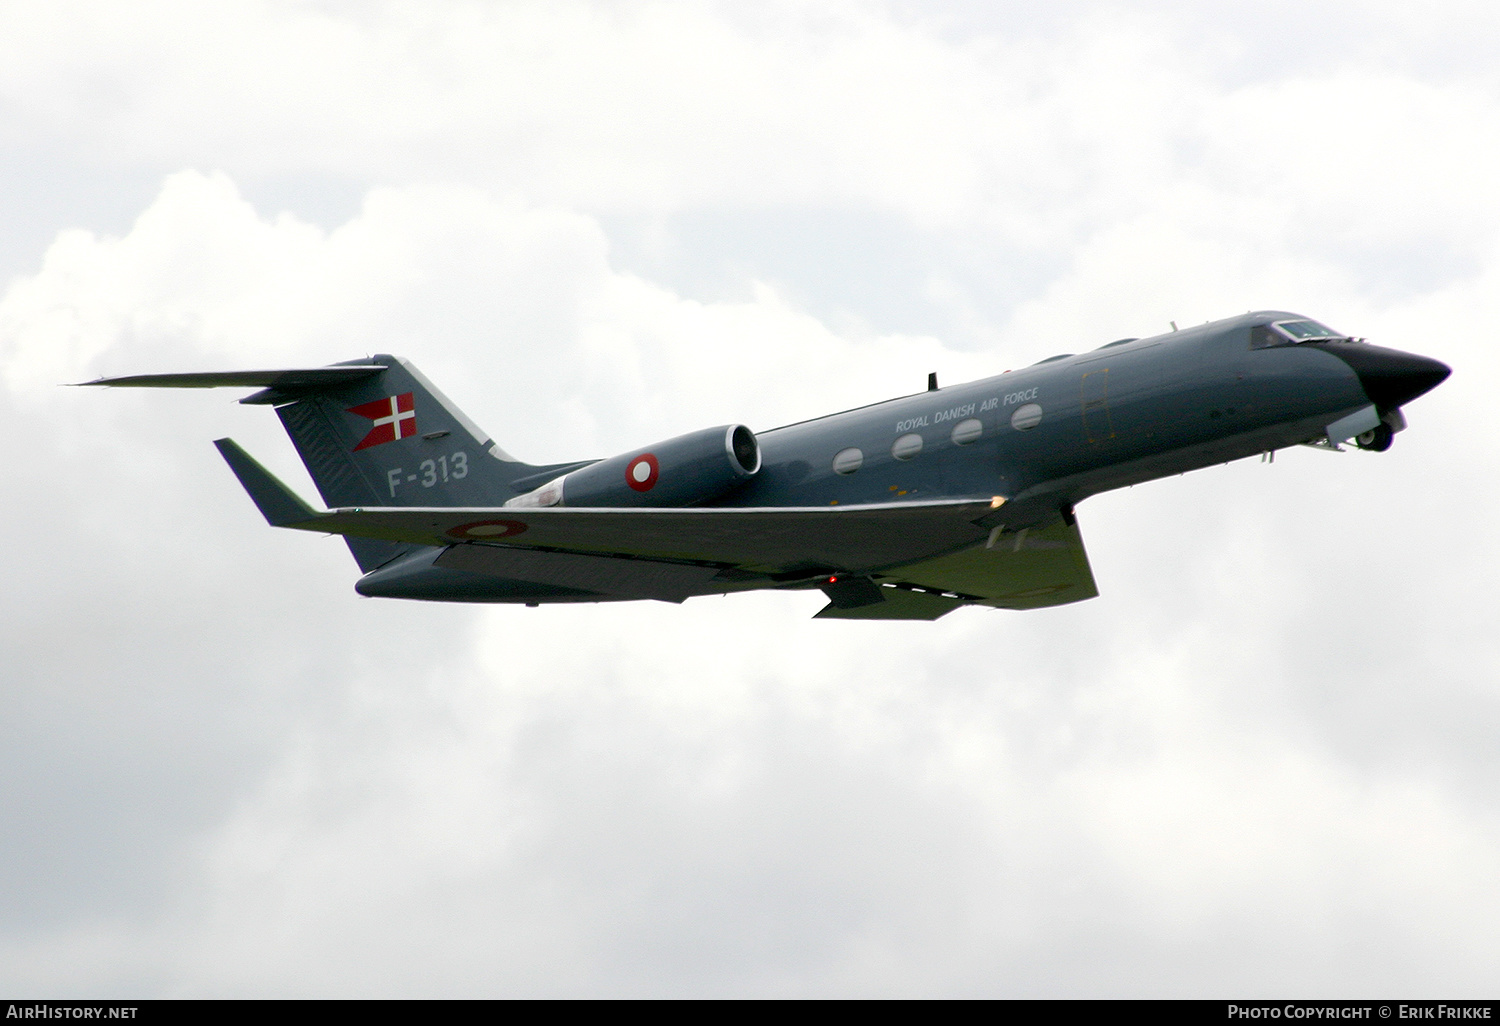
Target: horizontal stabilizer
310, 377
277, 503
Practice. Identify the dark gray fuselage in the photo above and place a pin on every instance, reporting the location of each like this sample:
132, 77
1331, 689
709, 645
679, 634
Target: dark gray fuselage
1112, 417
1036, 441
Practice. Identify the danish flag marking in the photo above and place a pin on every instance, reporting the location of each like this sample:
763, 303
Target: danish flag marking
395, 417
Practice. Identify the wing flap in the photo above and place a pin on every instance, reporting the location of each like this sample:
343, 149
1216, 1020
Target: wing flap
899, 604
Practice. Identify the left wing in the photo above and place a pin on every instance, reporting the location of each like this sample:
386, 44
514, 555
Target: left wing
792, 541
917, 560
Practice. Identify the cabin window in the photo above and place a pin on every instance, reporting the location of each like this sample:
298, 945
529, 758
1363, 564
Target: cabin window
965, 431
907, 446
847, 461
1027, 417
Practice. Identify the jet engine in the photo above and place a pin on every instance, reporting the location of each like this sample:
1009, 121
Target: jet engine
684, 471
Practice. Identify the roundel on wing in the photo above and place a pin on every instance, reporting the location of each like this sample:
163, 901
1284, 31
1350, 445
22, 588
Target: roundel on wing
487, 530
641, 473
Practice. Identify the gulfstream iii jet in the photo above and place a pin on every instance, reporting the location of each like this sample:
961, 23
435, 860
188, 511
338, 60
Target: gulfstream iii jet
902, 510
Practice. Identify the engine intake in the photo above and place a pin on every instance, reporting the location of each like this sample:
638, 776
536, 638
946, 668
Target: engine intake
684, 471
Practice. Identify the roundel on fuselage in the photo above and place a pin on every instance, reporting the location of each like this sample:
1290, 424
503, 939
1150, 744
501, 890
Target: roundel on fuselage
641, 473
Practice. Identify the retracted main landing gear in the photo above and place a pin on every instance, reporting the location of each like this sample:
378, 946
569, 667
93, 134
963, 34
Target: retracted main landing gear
1377, 439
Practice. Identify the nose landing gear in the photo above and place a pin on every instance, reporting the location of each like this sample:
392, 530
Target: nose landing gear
1377, 439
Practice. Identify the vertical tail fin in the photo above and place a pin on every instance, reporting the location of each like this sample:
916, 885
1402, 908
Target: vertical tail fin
391, 439
375, 432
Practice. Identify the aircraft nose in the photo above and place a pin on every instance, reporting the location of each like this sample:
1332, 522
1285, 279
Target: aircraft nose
1391, 377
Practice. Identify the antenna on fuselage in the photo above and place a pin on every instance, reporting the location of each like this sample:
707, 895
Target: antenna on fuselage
1173, 324
932, 381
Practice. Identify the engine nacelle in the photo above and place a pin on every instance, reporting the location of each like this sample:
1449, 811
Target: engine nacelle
684, 471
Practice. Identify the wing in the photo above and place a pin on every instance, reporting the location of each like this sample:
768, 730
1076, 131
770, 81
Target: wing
777, 542
928, 558
770, 540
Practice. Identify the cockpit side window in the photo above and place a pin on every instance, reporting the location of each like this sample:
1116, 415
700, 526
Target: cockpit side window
1263, 336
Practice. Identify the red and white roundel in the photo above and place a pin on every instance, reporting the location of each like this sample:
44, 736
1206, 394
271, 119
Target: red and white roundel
487, 530
642, 472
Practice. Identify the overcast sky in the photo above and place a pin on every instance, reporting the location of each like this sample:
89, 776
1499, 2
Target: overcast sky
1263, 762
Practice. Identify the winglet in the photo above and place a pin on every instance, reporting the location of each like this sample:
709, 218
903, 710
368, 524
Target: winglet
277, 503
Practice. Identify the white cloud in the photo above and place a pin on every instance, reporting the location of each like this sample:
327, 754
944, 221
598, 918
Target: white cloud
1262, 758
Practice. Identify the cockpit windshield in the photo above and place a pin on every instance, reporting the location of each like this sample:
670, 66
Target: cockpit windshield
1290, 333
1307, 331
